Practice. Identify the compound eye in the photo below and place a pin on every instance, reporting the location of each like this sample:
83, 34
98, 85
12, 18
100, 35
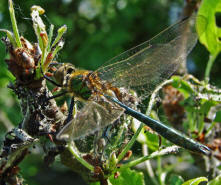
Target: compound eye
70, 70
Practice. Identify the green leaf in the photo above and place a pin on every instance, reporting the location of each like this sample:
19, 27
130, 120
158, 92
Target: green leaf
206, 105
128, 177
195, 181
207, 25
152, 141
204, 109
219, 167
216, 181
182, 85
218, 117
176, 180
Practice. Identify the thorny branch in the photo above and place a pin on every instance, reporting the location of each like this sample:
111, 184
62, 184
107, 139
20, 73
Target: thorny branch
42, 117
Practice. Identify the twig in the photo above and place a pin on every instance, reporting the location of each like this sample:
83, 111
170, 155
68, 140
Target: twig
148, 165
80, 159
168, 150
212, 58
154, 94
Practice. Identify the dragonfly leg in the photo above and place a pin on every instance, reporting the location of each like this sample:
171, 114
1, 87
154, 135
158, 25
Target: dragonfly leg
57, 95
52, 81
105, 134
49, 79
55, 63
99, 143
70, 112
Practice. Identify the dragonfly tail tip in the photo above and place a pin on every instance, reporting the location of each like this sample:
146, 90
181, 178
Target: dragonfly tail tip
205, 150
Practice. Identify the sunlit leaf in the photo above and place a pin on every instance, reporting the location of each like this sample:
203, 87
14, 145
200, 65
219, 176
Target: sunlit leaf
182, 85
208, 26
195, 181
218, 116
216, 181
176, 180
129, 177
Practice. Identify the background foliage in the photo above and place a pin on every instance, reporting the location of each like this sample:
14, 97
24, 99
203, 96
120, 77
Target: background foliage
97, 31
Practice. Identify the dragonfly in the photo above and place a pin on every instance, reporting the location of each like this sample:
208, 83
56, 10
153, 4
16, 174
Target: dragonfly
105, 92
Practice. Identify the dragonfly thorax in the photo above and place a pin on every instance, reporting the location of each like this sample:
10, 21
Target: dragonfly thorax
85, 85
78, 85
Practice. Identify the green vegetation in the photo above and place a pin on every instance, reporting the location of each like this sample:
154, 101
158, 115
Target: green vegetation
88, 34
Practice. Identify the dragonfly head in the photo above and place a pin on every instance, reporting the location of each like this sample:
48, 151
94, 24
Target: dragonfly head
63, 72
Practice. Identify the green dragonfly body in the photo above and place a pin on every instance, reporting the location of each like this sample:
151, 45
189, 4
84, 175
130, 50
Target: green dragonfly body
105, 92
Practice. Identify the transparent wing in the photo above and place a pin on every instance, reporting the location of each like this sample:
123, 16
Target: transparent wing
145, 66
90, 118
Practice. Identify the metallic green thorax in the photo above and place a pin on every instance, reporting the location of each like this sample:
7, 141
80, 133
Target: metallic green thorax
80, 89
